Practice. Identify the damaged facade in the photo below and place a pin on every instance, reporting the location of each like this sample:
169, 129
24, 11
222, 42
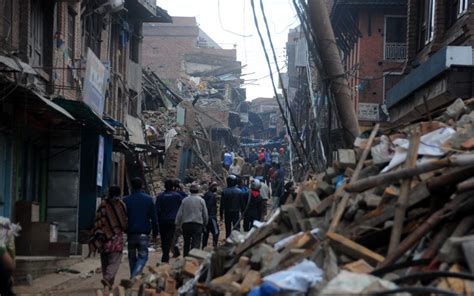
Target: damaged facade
193, 64
71, 77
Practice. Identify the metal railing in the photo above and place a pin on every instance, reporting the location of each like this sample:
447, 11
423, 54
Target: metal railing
395, 51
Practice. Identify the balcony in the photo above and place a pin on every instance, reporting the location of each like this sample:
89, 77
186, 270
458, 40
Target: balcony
395, 51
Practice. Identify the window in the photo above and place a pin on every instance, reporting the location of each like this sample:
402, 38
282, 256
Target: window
395, 38
426, 15
93, 30
36, 49
135, 43
430, 20
7, 21
71, 44
452, 12
463, 4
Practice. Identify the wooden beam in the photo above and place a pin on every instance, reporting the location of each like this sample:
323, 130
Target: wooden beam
404, 193
355, 176
353, 249
452, 161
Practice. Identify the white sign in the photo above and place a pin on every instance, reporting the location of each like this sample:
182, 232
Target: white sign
180, 115
369, 111
100, 162
94, 83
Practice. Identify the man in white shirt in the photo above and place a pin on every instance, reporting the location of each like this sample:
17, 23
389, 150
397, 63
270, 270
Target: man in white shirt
265, 194
235, 168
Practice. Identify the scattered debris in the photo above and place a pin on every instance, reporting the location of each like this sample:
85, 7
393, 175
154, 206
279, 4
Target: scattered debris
334, 237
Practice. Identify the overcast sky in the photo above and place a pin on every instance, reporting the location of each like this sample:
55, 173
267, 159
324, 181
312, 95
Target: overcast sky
236, 16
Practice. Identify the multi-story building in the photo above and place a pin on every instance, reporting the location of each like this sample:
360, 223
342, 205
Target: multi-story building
70, 73
193, 63
439, 64
371, 36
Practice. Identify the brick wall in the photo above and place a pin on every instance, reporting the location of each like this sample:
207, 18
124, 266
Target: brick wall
165, 46
365, 63
461, 32
61, 56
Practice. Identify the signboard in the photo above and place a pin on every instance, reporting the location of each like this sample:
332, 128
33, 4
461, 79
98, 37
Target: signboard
100, 162
244, 117
180, 115
94, 83
369, 111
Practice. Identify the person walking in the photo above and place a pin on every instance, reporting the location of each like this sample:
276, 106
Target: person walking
192, 217
167, 206
259, 169
178, 187
8, 231
252, 203
268, 161
142, 219
108, 235
278, 185
227, 161
235, 168
211, 204
265, 194
289, 192
261, 155
275, 156
253, 156
231, 205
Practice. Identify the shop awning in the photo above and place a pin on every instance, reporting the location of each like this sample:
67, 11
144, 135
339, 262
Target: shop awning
53, 105
38, 102
84, 113
16, 65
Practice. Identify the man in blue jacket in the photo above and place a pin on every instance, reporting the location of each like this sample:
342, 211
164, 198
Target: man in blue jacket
142, 220
167, 206
231, 205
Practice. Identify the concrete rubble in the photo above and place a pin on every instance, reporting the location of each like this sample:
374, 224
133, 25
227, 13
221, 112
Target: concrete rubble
407, 230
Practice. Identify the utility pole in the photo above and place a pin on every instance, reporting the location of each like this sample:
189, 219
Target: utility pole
331, 60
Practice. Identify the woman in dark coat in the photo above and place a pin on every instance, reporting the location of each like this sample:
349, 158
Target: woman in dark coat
253, 205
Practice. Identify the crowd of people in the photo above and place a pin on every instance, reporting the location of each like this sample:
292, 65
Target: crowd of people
175, 213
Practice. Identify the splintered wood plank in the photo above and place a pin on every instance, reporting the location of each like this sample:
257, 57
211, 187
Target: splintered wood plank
353, 249
400, 211
359, 266
251, 280
341, 207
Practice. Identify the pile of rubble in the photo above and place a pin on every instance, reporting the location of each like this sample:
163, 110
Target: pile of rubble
162, 121
393, 215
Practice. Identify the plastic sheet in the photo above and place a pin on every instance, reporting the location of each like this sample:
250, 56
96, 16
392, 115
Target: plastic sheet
300, 277
351, 283
430, 144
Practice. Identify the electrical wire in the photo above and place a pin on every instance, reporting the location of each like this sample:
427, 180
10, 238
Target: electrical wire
285, 95
222, 26
282, 111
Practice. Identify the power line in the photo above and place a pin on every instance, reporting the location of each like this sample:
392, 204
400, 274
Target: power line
282, 111
285, 95
222, 26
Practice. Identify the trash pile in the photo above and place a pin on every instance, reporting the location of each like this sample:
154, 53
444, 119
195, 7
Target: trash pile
394, 215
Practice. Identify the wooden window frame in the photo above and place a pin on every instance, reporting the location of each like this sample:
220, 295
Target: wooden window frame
71, 43
463, 6
37, 34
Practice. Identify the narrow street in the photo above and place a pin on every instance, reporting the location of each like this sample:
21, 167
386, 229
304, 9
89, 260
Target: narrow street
84, 283
326, 146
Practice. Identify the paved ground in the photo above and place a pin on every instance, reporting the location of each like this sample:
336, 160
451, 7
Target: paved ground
87, 282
